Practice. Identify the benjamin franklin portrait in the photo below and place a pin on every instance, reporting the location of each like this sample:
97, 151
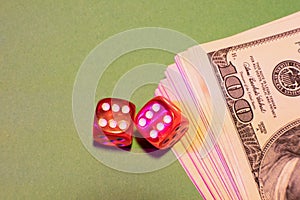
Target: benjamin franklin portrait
280, 168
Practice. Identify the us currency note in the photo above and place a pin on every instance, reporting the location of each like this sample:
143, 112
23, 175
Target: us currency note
256, 155
260, 81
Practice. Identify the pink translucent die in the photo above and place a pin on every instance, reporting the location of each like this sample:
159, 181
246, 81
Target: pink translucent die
161, 122
113, 122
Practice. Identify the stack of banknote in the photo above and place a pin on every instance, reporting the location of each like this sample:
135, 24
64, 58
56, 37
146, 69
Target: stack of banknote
242, 97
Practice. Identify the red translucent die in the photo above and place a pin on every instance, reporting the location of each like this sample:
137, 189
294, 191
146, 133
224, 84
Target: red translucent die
113, 122
161, 123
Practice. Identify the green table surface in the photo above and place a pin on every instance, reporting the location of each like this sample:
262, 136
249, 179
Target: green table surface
42, 46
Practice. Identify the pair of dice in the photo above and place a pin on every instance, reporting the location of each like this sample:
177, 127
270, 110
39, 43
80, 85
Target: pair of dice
159, 121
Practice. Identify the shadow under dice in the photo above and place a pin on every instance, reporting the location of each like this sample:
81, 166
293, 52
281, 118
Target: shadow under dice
113, 122
161, 123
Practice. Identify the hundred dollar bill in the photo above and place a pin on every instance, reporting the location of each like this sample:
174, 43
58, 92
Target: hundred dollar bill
255, 76
258, 73
260, 81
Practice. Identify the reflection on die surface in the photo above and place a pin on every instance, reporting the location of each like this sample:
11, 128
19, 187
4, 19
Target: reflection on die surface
161, 122
113, 122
